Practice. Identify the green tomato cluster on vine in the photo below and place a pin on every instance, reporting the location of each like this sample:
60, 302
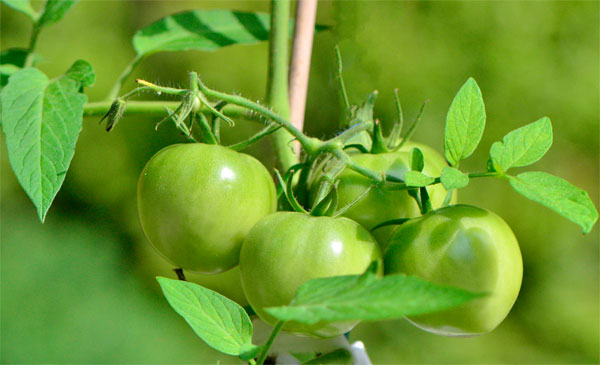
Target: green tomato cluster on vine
207, 209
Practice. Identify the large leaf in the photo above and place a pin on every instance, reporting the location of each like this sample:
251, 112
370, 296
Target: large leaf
558, 195
523, 146
24, 6
54, 11
220, 322
41, 120
202, 30
367, 297
465, 123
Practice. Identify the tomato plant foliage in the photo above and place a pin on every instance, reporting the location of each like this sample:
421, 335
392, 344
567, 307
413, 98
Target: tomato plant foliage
310, 271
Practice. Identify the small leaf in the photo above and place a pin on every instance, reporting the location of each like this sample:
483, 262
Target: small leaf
203, 30
367, 297
558, 195
54, 11
465, 123
219, 321
453, 178
417, 179
11, 60
41, 120
339, 357
83, 72
523, 146
24, 6
417, 162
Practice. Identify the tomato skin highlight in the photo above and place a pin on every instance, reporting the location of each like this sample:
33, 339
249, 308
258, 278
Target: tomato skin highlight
286, 249
465, 247
197, 202
383, 205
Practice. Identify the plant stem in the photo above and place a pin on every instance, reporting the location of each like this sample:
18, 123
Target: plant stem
310, 145
277, 87
158, 108
265, 351
345, 99
114, 92
413, 127
483, 174
32, 43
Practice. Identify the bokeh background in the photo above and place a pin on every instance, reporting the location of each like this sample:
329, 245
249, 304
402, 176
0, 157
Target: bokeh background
80, 288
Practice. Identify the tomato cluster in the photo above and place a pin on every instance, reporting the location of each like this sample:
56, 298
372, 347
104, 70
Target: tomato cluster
207, 208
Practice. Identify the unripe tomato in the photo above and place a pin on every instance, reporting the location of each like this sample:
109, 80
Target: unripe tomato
197, 202
285, 249
465, 247
383, 205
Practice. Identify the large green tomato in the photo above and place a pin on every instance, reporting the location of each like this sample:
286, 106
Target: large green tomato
197, 202
466, 247
285, 249
383, 205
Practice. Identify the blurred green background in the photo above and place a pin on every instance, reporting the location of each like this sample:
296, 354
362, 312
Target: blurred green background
80, 288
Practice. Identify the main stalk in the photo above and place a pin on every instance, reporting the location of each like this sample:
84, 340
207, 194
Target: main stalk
277, 87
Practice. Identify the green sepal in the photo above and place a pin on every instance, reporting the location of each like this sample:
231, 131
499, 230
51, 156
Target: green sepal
379, 143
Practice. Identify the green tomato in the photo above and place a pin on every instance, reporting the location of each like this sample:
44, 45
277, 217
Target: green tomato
286, 249
383, 205
197, 202
466, 247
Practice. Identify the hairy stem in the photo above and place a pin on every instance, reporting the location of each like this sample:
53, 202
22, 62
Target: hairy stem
114, 92
308, 144
277, 87
158, 108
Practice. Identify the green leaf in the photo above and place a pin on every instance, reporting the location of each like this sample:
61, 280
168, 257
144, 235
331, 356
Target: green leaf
24, 6
417, 179
82, 70
417, 162
11, 60
368, 297
203, 30
465, 123
453, 178
220, 322
41, 120
558, 195
339, 357
523, 146
54, 11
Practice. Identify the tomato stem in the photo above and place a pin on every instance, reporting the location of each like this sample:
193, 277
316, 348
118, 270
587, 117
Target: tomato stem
413, 127
345, 99
277, 85
114, 92
269, 343
157, 108
32, 43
